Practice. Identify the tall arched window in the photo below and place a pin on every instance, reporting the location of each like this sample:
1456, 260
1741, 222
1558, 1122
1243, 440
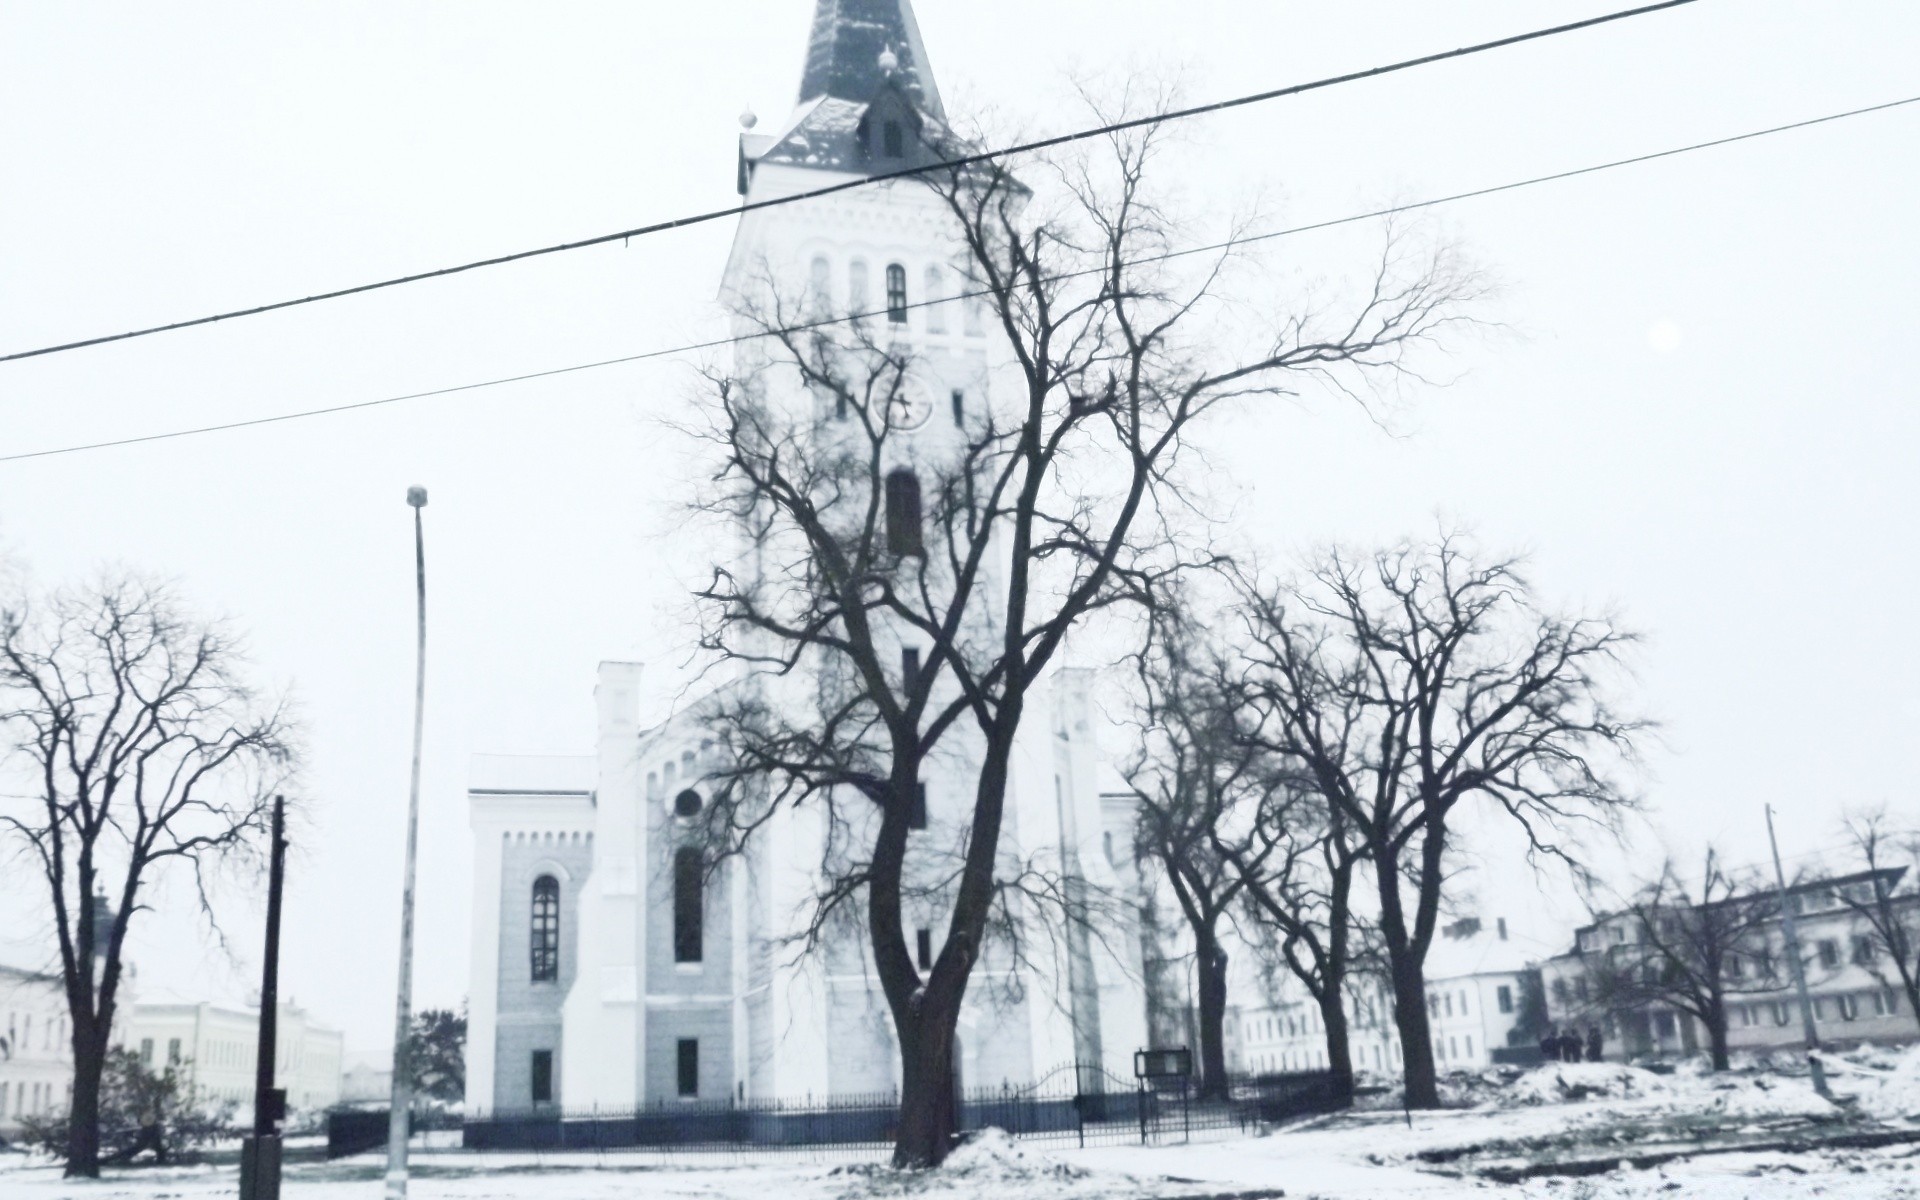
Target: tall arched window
546, 929
896, 293
903, 513
820, 286
936, 311
857, 287
688, 902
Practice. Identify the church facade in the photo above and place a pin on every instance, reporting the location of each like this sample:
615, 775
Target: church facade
611, 968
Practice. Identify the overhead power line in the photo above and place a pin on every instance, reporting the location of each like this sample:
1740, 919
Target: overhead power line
716, 343
847, 185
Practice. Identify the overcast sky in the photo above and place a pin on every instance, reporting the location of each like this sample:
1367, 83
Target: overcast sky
1703, 414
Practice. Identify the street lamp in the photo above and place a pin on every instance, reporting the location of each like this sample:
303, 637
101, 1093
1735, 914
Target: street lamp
402, 1098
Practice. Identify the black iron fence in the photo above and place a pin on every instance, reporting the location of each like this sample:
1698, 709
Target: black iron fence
1075, 1104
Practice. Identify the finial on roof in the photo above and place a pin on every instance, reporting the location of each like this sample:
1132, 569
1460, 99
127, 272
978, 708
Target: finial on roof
747, 118
889, 61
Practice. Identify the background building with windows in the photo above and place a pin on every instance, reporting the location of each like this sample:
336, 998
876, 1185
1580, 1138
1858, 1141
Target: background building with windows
1855, 992
215, 1050
36, 1048
1477, 979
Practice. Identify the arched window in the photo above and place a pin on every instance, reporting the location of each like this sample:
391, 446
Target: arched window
820, 286
546, 929
896, 293
903, 513
894, 139
688, 902
857, 287
936, 311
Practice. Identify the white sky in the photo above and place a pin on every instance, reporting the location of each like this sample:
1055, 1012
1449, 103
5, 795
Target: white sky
1702, 416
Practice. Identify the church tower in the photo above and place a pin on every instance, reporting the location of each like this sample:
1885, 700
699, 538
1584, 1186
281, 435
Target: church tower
609, 971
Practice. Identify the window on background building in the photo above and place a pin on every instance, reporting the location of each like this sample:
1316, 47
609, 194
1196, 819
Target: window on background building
1849, 1007
687, 804
1829, 953
173, 1052
1448, 1003
1560, 991
1505, 996
896, 294
1469, 1045
543, 1077
545, 943
923, 948
688, 901
959, 408
146, 1051
1663, 1024
1819, 1008
688, 1064
903, 514
1862, 950
1580, 989
1463, 1004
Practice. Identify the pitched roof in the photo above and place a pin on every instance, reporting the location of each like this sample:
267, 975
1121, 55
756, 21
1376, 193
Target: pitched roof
845, 47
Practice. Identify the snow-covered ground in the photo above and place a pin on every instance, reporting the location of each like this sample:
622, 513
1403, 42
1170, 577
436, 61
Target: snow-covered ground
1574, 1132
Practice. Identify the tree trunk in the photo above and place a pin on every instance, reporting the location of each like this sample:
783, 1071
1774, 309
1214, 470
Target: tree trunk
1416, 1036
1333, 1016
1717, 1041
83, 1119
1409, 989
929, 1112
1210, 961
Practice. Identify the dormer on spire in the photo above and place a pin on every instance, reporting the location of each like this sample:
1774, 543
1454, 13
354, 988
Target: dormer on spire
850, 47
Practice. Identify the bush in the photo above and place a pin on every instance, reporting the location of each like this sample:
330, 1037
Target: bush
141, 1112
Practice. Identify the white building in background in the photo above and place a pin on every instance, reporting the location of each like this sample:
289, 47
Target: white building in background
36, 1047
609, 968
216, 1048
1476, 977
1855, 993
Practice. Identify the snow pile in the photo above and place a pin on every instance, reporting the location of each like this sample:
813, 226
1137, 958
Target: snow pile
992, 1156
1889, 1092
1560, 1083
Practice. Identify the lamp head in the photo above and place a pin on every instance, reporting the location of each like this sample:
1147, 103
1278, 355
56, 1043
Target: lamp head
417, 497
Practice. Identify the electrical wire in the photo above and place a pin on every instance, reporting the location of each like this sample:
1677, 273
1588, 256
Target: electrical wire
865, 181
716, 343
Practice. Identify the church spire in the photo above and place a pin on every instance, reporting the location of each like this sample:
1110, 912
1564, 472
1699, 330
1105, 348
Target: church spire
849, 42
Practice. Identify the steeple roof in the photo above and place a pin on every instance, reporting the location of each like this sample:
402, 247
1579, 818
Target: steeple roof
845, 49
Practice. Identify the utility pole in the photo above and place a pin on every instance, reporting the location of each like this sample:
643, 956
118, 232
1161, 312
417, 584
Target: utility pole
260, 1154
398, 1116
1799, 968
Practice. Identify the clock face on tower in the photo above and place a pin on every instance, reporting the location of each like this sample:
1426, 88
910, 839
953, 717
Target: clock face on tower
909, 409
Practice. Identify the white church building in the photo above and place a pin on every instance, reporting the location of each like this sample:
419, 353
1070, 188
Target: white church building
610, 969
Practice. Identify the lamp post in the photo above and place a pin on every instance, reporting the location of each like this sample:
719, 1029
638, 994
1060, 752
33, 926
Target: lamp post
398, 1122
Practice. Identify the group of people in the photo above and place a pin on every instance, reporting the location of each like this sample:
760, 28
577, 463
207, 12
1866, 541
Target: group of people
1566, 1045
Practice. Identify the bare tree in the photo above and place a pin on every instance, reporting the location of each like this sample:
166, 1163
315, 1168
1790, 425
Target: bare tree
1414, 679
1196, 779
142, 747
1691, 949
1887, 902
979, 549
1299, 861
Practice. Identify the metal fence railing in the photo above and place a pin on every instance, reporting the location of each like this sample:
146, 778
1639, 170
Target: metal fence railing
1078, 1104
